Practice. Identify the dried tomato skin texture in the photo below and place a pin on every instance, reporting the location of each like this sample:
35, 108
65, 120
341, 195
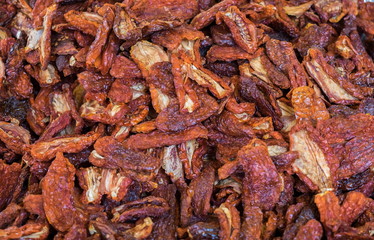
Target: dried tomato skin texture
255, 192
57, 188
186, 119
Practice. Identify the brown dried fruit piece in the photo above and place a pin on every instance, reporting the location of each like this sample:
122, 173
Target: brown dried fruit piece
221, 35
124, 27
233, 125
363, 61
15, 137
10, 175
259, 12
142, 230
109, 53
187, 97
205, 18
229, 219
315, 36
57, 188
284, 22
39, 107
34, 204
253, 90
45, 40
208, 229
191, 155
160, 139
364, 17
176, 38
152, 61
357, 155
227, 53
297, 216
330, 10
170, 119
110, 153
340, 129
252, 223
316, 164
45, 78
308, 105
151, 11
123, 67
31, 230
329, 209
281, 53
160, 81
165, 228
352, 142
145, 207
97, 182
262, 187
335, 216
243, 30
266, 71
96, 48
344, 47
311, 230
9, 214
353, 206
145, 54
46, 150
337, 88
110, 114
95, 85
121, 91
257, 72
206, 78
172, 164
196, 197
17, 82
87, 22
297, 10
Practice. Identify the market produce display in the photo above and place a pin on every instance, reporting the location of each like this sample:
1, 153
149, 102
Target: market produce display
187, 119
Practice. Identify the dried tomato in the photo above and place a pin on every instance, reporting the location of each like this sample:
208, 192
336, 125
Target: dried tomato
197, 119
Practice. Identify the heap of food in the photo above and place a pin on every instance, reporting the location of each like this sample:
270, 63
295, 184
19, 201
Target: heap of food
187, 119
